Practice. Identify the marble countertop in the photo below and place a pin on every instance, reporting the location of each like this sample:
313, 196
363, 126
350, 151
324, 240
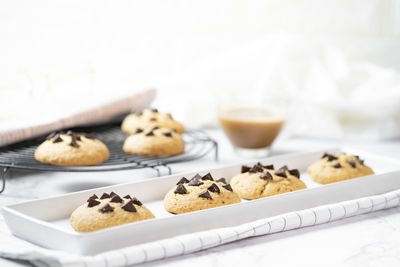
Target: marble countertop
365, 240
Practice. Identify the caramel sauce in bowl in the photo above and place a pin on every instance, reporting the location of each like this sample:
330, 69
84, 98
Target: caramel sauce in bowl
250, 128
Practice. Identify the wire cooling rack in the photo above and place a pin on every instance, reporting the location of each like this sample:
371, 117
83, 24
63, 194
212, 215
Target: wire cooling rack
21, 155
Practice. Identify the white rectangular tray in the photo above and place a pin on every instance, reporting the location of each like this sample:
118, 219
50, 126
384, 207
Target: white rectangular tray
46, 221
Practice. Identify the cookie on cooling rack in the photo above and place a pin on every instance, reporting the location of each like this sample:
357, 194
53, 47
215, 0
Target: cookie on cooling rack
201, 192
149, 118
72, 149
155, 141
108, 210
263, 181
338, 167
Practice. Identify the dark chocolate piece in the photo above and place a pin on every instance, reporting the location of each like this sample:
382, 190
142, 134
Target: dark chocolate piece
116, 199
228, 187
361, 161
136, 201
266, 176
129, 207
106, 208
74, 143
154, 110
207, 177
168, 134
295, 172
150, 133
352, 163
105, 195
93, 202
183, 181
169, 115
197, 176
57, 139
329, 157
256, 168
69, 132
112, 194
94, 196
195, 181
89, 135
127, 197
245, 169
281, 172
284, 168
180, 189
222, 180
205, 194
214, 188
337, 165
269, 167
138, 130
153, 119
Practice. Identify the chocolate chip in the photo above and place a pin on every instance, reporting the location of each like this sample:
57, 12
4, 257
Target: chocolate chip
295, 172
207, 177
154, 110
284, 168
197, 176
269, 167
195, 181
50, 136
138, 130
337, 165
57, 138
93, 202
127, 197
205, 194
136, 201
183, 181
169, 115
352, 163
266, 176
105, 195
116, 199
245, 169
129, 207
281, 172
153, 119
329, 157
256, 168
180, 189
150, 133
361, 161
228, 187
214, 188
69, 132
112, 194
94, 196
168, 134
106, 208
74, 143
222, 180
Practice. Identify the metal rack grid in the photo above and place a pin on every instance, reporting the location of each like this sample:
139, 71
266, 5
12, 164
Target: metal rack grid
21, 155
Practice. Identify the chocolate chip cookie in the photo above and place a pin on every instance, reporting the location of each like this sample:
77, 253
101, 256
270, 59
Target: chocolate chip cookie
263, 181
72, 149
199, 193
108, 210
338, 167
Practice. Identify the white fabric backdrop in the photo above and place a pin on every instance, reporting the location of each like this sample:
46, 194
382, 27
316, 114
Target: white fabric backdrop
335, 62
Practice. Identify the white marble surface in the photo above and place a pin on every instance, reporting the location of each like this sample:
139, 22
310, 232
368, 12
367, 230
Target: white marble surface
366, 240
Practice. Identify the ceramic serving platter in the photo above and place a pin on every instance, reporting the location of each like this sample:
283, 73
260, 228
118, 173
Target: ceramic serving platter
46, 221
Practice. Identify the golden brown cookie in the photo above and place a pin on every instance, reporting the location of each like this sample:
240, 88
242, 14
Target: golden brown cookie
108, 210
338, 167
150, 118
201, 192
155, 141
72, 149
263, 181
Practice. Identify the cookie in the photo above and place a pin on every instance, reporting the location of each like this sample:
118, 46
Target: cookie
72, 149
108, 210
338, 167
155, 141
149, 118
201, 192
263, 181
